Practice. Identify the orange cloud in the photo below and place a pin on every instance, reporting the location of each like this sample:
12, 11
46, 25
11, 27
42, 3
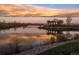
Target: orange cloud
21, 10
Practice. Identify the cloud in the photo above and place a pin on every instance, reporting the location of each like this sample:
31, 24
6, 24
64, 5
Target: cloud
2, 12
31, 10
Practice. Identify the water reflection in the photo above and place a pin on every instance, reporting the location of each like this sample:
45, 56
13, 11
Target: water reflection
19, 39
27, 30
16, 40
64, 36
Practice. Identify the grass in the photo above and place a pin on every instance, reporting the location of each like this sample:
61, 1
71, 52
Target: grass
68, 49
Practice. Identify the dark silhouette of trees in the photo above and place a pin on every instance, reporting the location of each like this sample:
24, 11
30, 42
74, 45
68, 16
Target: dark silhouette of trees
60, 22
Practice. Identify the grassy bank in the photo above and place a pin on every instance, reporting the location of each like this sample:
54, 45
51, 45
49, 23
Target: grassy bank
68, 49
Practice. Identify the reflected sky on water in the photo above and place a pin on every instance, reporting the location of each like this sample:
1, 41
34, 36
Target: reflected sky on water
29, 30
25, 37
28, 33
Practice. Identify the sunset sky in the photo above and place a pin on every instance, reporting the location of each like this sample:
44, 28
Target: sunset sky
39, 10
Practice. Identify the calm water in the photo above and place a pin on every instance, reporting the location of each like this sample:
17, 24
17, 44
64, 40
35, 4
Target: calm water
25, 38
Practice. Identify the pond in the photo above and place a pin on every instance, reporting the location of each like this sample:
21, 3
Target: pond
15, 40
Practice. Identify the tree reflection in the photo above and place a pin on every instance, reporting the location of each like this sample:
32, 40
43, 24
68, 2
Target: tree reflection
76, 36
61, 36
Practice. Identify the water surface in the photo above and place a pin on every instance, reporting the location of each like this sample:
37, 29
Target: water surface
25, 38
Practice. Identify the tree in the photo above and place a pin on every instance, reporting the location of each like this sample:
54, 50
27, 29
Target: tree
76, 36
61, 37
60, 22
